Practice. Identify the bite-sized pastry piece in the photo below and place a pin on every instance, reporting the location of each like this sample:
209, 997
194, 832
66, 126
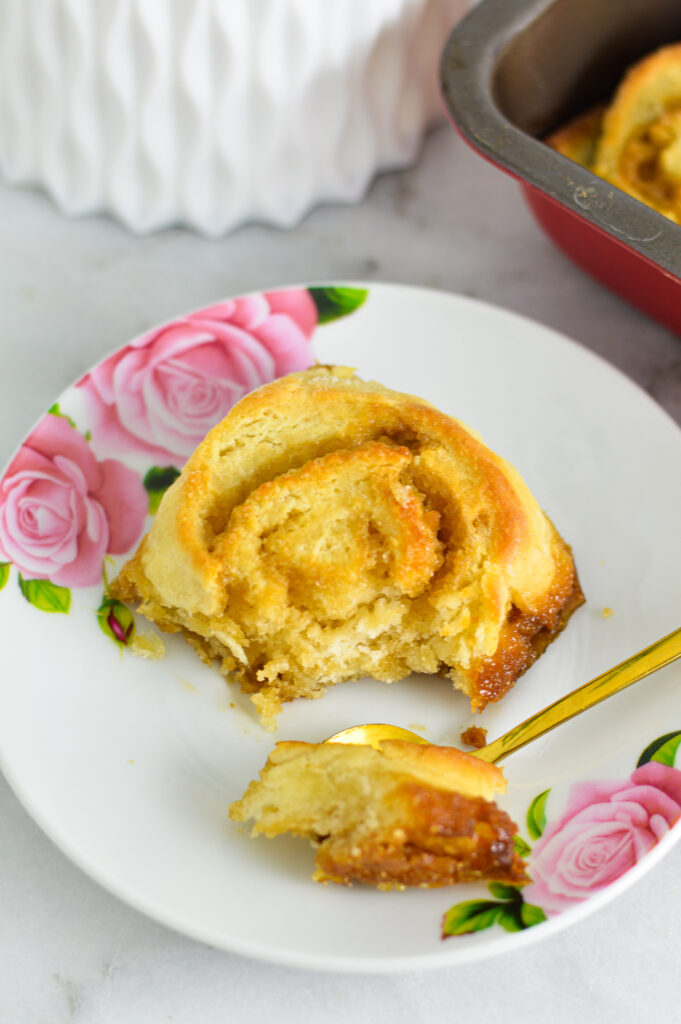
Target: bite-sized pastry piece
635, 141
330, 528
401, 815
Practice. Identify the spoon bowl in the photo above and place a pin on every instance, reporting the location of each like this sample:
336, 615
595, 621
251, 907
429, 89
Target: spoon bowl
374, 733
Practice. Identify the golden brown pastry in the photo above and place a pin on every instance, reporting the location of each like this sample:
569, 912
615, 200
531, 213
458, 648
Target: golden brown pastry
635, 142
579, 138
403, 815
330, 528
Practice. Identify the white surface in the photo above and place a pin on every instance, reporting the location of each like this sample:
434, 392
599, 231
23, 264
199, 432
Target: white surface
73, 291
211, 113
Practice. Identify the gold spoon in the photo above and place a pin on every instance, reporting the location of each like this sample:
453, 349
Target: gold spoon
636, 667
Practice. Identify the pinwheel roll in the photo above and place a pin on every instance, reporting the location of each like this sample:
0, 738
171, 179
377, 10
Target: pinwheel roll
400, 816
639, 149
330, 528
635, 141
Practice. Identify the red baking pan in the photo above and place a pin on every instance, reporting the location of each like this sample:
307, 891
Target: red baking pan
514, 70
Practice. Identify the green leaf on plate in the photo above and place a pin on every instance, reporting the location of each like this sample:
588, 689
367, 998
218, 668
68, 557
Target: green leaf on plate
516, 917
4, 573
470, 916
536, 815
45, 595
531, 915
663, 749
522, 848
157, 481
54, 410
510, 919
116, 621
501, 891
513, 914
333, 303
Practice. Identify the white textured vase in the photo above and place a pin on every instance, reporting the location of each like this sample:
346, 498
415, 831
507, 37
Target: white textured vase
210, 113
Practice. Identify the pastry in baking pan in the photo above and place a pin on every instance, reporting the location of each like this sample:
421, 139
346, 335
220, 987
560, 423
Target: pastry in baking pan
401, 815
578, 139
639, 149
635, 141
329, 528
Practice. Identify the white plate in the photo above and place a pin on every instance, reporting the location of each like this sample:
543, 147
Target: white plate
129, 765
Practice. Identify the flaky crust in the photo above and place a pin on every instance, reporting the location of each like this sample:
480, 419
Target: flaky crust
329, 528
635, 141
445, 768
403, 815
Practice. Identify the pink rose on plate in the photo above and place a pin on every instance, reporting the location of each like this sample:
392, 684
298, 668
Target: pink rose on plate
606, 828
62, 510
161, 394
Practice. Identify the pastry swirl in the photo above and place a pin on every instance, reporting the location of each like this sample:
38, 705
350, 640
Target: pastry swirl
330, 528
635, 141
400, 816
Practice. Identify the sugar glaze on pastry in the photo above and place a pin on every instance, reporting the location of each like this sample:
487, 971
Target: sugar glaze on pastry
403, 815
330, 528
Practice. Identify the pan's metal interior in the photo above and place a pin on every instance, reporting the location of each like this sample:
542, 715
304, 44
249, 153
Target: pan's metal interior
515, 69
573, 54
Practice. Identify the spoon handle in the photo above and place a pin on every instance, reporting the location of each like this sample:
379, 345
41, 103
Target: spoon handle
650, 659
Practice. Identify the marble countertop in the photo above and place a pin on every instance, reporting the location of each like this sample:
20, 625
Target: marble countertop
71, 292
